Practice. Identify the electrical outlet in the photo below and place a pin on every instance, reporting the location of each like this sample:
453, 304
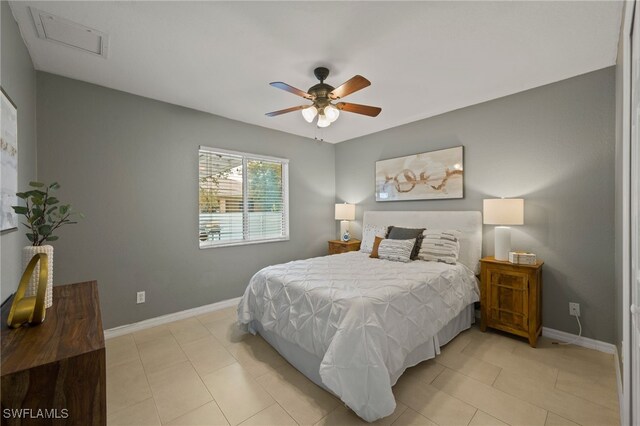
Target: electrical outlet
574, 309
140, 296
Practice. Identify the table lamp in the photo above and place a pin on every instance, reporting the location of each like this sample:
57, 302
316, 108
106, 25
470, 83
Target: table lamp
344, 213
503, 211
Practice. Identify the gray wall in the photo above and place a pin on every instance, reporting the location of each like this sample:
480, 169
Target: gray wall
552, 146
18, 79
131, 165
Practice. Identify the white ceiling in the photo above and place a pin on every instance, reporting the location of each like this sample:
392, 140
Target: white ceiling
422, 58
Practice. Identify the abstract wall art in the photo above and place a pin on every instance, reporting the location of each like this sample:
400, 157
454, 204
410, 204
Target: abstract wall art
8, 161
427, 176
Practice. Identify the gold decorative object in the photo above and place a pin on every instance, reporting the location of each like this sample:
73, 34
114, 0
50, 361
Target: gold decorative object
30, 310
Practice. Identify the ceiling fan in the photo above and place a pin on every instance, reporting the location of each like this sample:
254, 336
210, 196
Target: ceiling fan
322, 96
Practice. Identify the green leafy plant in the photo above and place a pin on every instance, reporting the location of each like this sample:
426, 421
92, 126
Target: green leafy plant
44, 213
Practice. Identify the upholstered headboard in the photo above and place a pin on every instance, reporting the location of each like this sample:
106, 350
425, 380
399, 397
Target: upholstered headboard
467, 222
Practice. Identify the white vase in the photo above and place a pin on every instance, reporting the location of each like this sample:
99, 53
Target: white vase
27, 254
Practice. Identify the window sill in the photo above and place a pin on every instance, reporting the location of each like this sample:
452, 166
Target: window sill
209, 245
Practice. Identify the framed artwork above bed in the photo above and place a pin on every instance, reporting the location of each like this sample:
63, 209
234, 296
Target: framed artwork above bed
427, 176
9, 162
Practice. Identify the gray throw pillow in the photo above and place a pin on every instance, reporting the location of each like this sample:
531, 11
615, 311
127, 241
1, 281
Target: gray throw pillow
397, 233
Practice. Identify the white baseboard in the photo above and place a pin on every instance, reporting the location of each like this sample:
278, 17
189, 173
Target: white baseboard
551, 333
164, 319
619, 382
584, 342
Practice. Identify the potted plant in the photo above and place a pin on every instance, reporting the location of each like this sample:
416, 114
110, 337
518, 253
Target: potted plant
43, 214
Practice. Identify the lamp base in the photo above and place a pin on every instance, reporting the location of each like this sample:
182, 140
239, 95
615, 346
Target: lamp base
344, 228
503, 243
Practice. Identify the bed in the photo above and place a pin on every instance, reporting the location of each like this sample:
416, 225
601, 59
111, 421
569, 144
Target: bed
353, 324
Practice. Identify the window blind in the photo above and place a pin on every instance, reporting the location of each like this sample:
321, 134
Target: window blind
242, 198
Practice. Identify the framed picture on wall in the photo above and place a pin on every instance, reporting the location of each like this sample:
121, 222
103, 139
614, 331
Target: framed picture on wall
8, 161
427, 176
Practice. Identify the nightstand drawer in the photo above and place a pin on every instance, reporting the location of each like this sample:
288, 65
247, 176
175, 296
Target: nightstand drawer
337, 246
510, 280
339, 249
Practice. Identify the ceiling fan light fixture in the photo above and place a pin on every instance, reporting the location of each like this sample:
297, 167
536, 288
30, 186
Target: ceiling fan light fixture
322, 94
323, 121
331, 112
309, 113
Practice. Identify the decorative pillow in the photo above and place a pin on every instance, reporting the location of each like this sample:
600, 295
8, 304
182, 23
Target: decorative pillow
368, 235
396, 250
376, 245
440, 246
396, 233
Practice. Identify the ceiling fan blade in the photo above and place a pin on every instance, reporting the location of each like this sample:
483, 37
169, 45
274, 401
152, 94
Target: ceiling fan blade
291, 89
353, 85
284, 111
371, 111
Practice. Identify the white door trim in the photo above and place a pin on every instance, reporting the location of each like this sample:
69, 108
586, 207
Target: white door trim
626, 61
633, 266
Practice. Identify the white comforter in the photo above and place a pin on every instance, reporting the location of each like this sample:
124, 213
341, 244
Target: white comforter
361, 316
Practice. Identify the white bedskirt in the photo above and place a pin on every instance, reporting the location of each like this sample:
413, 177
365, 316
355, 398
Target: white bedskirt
309, 364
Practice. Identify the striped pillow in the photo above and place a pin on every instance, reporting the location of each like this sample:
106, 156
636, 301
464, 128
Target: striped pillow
397, 233
440, 246
396, 250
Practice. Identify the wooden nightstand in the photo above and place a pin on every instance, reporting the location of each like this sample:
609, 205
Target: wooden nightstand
337, 246
511, 298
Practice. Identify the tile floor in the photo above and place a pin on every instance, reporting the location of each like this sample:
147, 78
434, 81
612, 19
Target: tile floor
204, 371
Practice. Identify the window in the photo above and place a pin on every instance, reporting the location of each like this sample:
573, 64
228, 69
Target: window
243, 198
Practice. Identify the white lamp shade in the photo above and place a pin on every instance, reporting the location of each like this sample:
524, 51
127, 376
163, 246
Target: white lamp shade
309, 113
331, 113
323, 121
345, 211
503, 211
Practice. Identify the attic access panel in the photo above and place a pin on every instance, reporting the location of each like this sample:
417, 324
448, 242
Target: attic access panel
69, 33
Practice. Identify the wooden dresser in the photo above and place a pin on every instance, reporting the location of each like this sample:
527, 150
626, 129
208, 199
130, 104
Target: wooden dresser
337, 246
57, 369
511, 298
